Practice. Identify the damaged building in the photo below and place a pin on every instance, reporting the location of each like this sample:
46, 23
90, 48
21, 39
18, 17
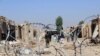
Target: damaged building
27, 32
92, 30
95, 29
4, 25
89, 30
24, 32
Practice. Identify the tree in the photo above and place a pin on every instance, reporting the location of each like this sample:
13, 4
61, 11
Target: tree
59, 23
81, 22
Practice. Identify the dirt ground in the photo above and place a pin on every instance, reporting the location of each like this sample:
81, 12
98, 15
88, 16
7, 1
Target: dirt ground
63, 48
67, 49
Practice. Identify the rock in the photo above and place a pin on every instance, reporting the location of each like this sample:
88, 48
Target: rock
24, 52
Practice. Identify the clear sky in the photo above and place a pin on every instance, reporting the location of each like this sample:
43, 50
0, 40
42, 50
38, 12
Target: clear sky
46, 11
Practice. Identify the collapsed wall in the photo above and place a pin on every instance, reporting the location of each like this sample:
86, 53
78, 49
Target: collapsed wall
28, 33
86, 30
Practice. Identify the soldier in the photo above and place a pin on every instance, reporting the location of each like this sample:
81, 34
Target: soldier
48, 37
